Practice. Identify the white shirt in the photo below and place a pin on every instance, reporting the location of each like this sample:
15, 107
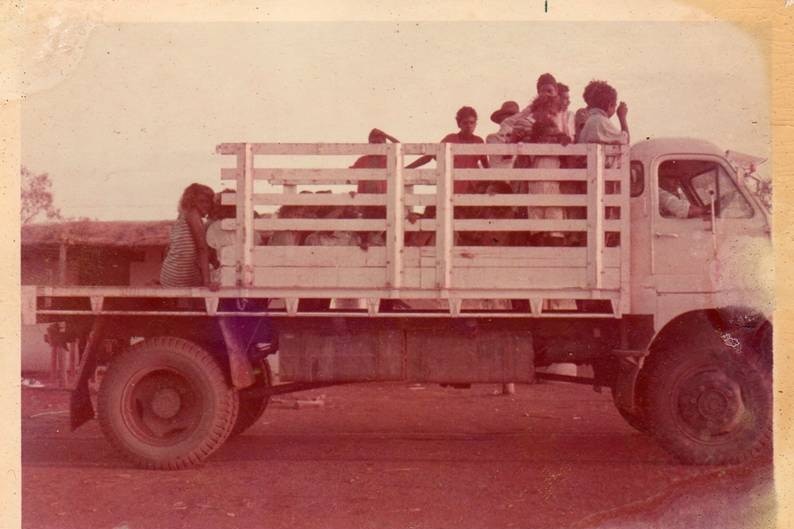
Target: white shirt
672, 205
599, 129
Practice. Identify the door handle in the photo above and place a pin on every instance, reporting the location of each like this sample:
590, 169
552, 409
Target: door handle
662, 234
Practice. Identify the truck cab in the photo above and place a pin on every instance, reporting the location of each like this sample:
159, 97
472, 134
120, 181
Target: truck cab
715, 251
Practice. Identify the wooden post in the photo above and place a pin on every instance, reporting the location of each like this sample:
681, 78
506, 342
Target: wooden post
395, 216
623, 303
444, 213
245, 216
595, 215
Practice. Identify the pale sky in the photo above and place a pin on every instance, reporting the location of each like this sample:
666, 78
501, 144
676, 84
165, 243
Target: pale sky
139, 116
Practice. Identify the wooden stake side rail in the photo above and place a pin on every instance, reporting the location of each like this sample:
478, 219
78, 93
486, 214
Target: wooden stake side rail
440, 272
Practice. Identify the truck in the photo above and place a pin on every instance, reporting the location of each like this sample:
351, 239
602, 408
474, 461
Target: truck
672, 312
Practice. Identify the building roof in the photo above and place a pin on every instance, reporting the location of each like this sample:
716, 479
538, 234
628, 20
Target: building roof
98, 233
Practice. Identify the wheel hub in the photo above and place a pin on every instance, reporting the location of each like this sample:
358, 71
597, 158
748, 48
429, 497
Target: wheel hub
166, 403
711, 403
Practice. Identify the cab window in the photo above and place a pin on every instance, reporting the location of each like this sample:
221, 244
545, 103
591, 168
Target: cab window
688, 187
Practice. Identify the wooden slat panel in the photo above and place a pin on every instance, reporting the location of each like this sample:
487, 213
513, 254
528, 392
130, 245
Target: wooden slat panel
420, 200
530, 278
314, 199
520, 200
274, 224
318, 148
479, 256
323, 256
307, 279
419, 176
372, 199
520, 174
320, 224
310, 176
342, 176
519, 148
529, 225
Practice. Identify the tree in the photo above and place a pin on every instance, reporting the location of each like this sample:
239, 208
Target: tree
37, 197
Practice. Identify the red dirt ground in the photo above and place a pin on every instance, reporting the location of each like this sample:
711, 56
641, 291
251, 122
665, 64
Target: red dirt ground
388, 456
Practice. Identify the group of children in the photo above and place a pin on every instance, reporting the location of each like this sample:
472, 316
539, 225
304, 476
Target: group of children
547, 119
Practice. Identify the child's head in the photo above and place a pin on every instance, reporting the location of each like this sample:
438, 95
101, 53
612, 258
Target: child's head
545, 105
602, 95
221, 211
587, 95
376, 136
466, 118
544, 130
197, 197
546, 85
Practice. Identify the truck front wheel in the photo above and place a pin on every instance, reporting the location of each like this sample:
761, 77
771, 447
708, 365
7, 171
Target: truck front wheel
165, 404
710, 406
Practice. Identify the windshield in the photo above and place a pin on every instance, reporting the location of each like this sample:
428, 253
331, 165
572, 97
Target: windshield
757, 177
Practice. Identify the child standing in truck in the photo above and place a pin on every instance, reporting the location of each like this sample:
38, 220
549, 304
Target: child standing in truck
603, 102
466, 118
187, 262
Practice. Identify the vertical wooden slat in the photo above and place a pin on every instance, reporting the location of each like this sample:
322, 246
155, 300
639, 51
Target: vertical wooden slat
444, 212
395, 215
245, 217
595, 215
624, 303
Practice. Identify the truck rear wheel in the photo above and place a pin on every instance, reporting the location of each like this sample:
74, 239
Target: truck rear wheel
711, 405
165, 404
252, 407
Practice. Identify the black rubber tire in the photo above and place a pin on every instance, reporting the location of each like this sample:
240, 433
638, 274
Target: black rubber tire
204, 401
671, 397
252, 407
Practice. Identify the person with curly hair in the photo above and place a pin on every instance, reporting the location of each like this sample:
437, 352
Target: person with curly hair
603, 103
186, 263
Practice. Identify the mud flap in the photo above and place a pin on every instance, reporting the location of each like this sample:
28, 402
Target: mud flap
234, 335
80, 408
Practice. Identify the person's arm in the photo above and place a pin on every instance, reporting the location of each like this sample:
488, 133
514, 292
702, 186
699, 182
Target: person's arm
623, 110
419, 162
202, 251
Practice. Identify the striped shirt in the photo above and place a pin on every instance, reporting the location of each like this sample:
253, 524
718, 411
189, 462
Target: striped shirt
180, 267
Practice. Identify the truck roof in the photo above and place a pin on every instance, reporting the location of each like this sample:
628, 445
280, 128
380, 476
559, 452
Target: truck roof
651, 148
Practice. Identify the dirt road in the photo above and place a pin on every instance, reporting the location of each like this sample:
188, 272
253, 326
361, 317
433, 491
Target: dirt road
392, 456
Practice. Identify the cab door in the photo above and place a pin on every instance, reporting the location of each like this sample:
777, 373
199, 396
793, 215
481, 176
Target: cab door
706, 250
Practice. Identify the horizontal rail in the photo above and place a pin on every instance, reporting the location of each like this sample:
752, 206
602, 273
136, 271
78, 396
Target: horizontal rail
342, 176
443, 313
412, 149
347, 293
275, 224
313, 199
372, 199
